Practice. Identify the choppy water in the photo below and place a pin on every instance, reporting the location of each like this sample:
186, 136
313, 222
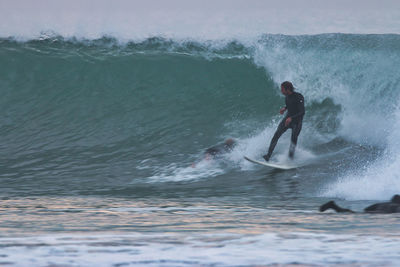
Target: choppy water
213, 231
98, 138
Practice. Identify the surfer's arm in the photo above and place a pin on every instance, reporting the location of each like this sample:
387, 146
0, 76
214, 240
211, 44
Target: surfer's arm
282, 110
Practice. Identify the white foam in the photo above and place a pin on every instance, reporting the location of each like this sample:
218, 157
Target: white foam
173, 173
257, 145
378, 180
201, 249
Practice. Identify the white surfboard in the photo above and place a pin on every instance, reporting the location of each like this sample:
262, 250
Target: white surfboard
281, 166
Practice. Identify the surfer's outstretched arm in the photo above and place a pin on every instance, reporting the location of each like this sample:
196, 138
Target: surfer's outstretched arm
332, 205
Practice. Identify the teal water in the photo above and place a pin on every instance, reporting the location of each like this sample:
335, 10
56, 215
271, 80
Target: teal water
98, 139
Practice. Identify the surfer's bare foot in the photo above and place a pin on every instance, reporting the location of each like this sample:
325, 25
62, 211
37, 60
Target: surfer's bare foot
266, 157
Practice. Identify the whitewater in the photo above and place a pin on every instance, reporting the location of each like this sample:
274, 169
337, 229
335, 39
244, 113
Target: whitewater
108, 107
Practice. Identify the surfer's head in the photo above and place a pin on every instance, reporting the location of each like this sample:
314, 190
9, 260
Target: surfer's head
230, 143
395, 199
287, 88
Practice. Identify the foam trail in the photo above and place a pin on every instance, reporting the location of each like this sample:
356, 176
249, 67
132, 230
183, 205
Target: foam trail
200, 170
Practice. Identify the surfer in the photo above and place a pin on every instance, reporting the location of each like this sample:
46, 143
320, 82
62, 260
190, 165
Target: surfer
293, 119
217, 150
385, 207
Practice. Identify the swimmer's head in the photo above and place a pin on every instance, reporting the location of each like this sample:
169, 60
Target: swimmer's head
230, 142
395, 199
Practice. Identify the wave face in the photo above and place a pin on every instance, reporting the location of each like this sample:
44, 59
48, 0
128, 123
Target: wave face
103, 115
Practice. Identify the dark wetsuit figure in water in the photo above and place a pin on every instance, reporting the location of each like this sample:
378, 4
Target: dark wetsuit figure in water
219, 149
385, 207
293, 119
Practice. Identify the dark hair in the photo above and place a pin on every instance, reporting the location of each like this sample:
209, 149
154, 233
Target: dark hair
288, 86
395, 199
230, 143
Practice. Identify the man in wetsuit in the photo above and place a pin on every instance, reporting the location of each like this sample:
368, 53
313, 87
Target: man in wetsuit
293, 119
385, 207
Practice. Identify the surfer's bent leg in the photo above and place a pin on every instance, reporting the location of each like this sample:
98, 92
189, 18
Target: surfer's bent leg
279, 131
296, 129
332, 205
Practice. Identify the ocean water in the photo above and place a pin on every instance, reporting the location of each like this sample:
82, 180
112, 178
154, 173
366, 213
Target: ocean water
103, 133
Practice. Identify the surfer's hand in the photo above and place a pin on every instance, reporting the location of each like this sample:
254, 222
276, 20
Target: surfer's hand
282, 110
288, 121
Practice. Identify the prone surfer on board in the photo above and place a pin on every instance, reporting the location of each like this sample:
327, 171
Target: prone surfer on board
217, 150
293, 118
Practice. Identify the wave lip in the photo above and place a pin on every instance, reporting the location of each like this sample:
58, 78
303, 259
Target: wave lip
209, 20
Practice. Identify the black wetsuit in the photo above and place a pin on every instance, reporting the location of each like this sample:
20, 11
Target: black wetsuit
295, 110
386, 207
